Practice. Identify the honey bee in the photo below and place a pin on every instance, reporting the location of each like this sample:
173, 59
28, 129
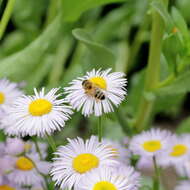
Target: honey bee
93, 90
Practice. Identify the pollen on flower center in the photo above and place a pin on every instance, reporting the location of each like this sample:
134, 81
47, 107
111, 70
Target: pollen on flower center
85, 162
104, 185
2, 98
152, 146
40, 107
24, 163
179, 150
6, 187
99, 81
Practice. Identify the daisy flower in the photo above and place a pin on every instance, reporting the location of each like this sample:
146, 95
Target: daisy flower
26, 170
9, 92
151, 143
97, 92
39, 115
79, 157
184, 185
122, 154
107, 179
183, 169
180, 150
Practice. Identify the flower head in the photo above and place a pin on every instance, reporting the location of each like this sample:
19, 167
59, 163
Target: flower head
97, 92
77, 158
26, 169
108, 179
151, 143
39, 115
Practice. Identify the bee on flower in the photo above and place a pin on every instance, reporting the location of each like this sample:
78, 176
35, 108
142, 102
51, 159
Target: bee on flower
97, 92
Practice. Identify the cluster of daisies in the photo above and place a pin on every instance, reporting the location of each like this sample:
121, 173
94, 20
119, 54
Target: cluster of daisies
43, 113
167, 149
80, 164
21, 168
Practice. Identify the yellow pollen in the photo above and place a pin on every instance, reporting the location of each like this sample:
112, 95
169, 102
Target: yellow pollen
6, 187
85, 162
179, 150
152, 146
24, 163
2, 98
99, 81
40, 107
104, 185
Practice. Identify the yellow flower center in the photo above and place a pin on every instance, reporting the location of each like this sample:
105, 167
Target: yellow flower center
2, 98
85, 162
179, 150
40, 107
152, 146
6, 187
104, 185
24, 163
99, 81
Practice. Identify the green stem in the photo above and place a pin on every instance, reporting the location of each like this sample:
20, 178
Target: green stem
123, 122
51, 142
6, 16
156, 180
153, 71
37, 148
52, 11
100, 128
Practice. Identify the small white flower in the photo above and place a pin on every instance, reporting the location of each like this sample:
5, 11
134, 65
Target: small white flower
39, 115
183, 185
78, 158
106, 89
151, 143
9, 92
122, 154
26, 169
179, 152
108, 179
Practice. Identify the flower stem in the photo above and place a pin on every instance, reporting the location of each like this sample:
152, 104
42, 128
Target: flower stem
100, 128
152, 72
6, 16
51, 143
156, 182
37, 148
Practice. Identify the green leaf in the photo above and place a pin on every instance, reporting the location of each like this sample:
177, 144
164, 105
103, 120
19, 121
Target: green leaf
99, 55
72, 9
19, 65
178, 86
184, 127
39, 73
180, 23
